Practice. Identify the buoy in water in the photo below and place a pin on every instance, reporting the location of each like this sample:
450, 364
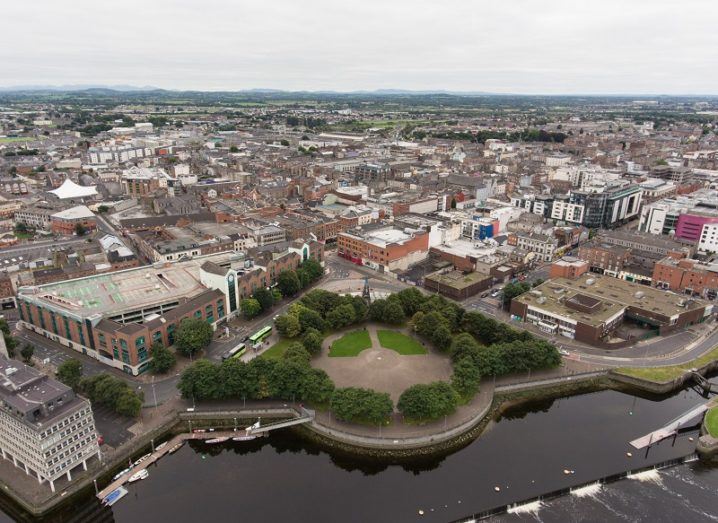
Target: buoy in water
566, 471
421, 512
690, 439
629, 454
497, 489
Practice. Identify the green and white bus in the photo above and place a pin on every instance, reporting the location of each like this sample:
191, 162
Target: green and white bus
236, 352
261, 335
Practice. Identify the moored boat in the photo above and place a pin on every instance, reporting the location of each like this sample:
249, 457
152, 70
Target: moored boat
175, 448
120, 473
140, 474
245, 437
140, 460
217, 440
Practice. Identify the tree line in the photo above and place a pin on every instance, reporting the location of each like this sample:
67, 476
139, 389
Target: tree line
289, 283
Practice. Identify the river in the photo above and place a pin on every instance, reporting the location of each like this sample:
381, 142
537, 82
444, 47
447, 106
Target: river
525, 454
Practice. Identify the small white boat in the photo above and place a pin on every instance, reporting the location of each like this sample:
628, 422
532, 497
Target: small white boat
140, 460
175, 448
140, 474
217, 440
119, 474
114, 496
161, 446
246, 437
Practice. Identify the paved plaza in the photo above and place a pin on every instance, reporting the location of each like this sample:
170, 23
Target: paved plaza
382, 369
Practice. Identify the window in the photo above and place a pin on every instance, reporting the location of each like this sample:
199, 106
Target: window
157, 337
198, 314
140, 342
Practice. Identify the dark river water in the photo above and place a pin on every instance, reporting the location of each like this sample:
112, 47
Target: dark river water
525, 454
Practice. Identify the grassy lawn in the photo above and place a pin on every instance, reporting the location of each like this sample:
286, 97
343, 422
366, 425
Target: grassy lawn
351, 344
401, 343
664, 374
712, 422
276, 351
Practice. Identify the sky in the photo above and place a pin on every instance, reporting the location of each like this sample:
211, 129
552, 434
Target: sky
500, 46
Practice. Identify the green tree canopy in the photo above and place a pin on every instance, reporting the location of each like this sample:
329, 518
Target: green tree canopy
427, 402
192, 336
265, 298
69, 372
362, 405
250, 308
163, 359
288, 282
288, 325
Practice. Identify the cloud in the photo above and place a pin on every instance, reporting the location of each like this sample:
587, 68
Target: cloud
517, 46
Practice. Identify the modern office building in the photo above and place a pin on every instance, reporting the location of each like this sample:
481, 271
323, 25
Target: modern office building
46, 430
683, 216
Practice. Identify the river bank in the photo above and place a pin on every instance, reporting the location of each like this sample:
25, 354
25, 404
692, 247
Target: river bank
524, 451
503, 399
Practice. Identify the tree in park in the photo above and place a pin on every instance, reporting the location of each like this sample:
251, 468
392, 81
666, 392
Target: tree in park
394, 313
341, 316
427, 402
163, 359
250, 308
193, 335
411, 300
265, 299
363, 405
297, 353
80, 229
288, 325
288, 282
377, 310
317, 387
26, 352
69, 372
312, 341
311, 319
466, 377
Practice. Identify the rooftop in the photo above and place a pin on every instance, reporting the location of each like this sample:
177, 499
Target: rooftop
593, 299
75, 213
121, 291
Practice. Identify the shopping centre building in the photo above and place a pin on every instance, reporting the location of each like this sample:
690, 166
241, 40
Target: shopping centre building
116, 317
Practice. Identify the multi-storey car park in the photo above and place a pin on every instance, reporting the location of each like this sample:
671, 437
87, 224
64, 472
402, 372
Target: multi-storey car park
116, 317
45, 429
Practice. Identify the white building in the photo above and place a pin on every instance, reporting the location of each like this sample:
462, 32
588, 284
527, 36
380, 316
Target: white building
709, 238
45, 429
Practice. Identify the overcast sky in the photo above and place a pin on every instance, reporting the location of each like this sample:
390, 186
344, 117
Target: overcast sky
505, 46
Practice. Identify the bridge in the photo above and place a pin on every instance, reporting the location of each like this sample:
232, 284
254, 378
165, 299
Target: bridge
703, 383
307, 415
671, 427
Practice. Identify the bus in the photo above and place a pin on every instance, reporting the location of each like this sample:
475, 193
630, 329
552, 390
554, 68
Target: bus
259, 336
236, 352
